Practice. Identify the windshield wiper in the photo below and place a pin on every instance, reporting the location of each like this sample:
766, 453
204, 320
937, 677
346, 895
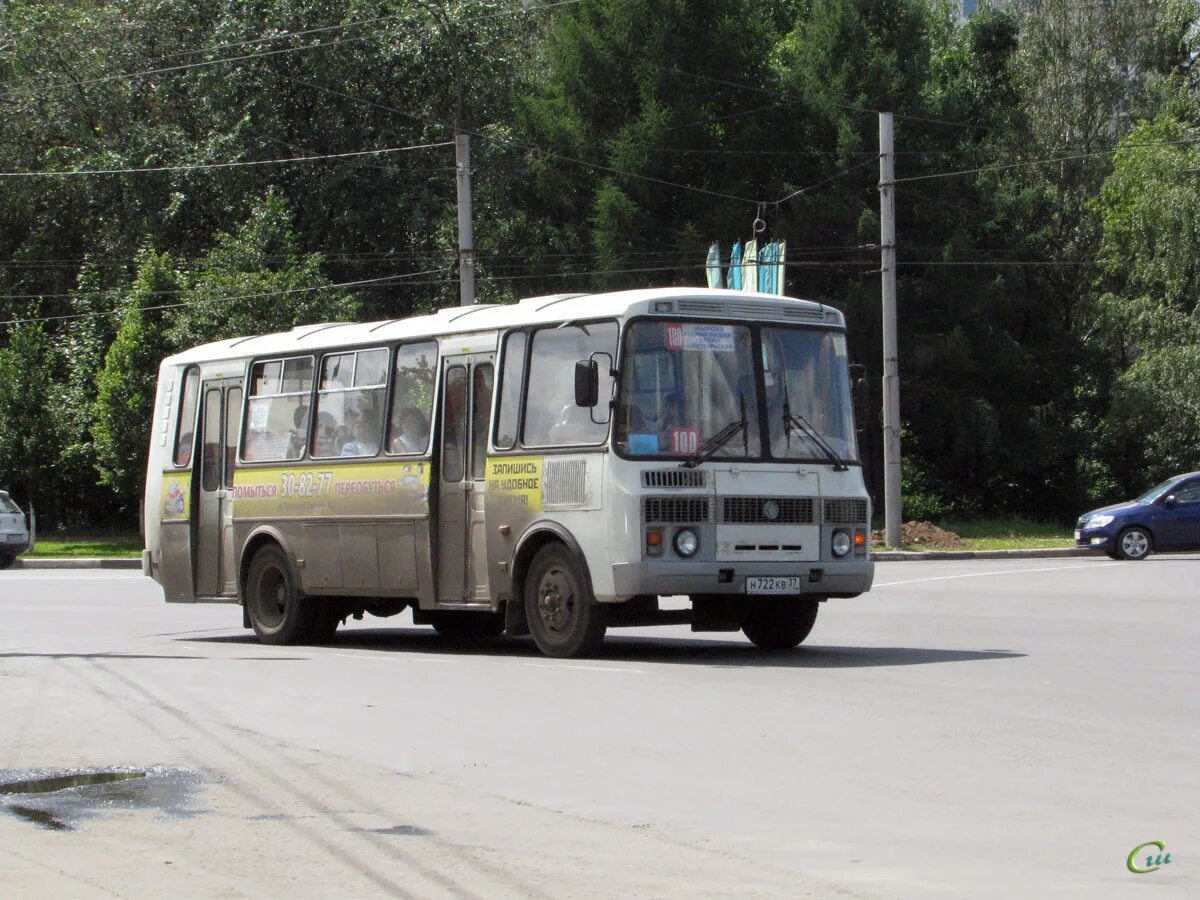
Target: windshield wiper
795, 420
721, 438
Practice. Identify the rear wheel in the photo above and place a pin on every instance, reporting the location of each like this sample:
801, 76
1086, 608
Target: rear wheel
1134, 543
278, 613
563, 618
780, 623
7, 559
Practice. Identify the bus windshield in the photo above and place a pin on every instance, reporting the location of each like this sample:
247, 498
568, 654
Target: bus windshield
681, 384
807, 386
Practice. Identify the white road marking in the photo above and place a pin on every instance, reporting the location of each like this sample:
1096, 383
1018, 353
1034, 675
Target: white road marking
1001, 572
45, 576
587, 668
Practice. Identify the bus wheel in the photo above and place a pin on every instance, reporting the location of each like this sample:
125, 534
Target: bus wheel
6, 560
278, 613
563, 618
780, 623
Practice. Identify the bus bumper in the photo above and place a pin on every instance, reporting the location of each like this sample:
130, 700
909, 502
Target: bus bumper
664, 579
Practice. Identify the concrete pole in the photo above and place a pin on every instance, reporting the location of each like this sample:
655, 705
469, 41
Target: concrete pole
466, 233
891, 366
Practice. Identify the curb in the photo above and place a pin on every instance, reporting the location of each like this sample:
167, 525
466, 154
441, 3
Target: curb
112, 563
922, 555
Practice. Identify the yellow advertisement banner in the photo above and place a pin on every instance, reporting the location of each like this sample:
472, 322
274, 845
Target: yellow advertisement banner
374, 488
518, 478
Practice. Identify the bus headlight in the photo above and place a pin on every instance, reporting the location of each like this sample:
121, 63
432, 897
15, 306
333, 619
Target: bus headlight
841, 544
686, 542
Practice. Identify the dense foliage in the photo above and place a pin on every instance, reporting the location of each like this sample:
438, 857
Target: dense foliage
1048, 204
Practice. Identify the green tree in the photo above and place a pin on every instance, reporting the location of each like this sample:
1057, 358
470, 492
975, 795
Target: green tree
124, 404
30, 433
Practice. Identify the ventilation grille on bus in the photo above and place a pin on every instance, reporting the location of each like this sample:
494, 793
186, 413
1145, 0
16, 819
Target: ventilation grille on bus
757, 309
564, 483
845, 512
675, 478
674, 510
757, 510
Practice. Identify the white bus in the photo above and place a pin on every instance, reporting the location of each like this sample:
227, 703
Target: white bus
552, 467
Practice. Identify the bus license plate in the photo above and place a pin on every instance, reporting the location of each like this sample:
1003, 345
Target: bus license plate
767, 585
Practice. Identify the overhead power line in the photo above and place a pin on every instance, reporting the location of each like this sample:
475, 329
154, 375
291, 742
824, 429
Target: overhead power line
224, 165
300, 290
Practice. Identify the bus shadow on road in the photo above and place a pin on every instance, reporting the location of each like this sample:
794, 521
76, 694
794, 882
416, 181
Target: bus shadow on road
644, 649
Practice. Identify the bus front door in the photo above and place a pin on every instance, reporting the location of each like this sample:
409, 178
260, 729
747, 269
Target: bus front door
220, 418
462, 538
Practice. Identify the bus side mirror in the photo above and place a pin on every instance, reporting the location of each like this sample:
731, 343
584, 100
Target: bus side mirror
587, 383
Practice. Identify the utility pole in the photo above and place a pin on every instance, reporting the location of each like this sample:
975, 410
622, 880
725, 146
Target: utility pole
891, 365
466, 233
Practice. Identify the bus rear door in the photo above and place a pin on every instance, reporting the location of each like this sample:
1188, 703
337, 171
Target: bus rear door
220, 418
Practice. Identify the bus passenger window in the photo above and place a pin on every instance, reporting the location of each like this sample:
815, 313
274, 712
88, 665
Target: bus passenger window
412, 398
350, 401
277, 413
187, 417
511, 375
551, 417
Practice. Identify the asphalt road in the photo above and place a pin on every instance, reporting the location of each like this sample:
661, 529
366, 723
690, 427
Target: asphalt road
983, 728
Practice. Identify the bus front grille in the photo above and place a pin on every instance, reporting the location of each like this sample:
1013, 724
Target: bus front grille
674, 478
845, 512
768, 510
674, 510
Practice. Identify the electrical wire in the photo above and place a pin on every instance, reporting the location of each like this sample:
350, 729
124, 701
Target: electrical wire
224, 165
123, 310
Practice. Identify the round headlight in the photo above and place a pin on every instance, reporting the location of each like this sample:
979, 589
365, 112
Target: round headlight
686, 542
841, 543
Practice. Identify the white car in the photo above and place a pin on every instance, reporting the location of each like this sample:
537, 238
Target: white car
14, 534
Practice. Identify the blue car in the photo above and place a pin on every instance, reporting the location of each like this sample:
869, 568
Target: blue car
1165, 518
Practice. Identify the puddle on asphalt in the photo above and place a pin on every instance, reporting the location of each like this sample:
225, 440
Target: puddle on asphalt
62, 800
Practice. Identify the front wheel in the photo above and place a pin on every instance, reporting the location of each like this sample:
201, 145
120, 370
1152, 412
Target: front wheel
278, 613
1134, 543
780, 623
563, 618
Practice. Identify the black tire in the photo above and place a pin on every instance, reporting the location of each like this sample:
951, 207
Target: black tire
1134, 543
279, 614
780, 623
563, 617
467, 627
7, 559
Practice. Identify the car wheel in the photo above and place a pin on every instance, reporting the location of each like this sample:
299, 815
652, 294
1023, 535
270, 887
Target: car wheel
278, 613
780, 623
563, 618
1134, 543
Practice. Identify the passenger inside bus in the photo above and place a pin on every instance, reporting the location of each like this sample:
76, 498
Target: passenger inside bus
364, 441
411, 432
183, 455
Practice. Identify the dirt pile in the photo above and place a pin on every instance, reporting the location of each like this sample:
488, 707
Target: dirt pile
925, 535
